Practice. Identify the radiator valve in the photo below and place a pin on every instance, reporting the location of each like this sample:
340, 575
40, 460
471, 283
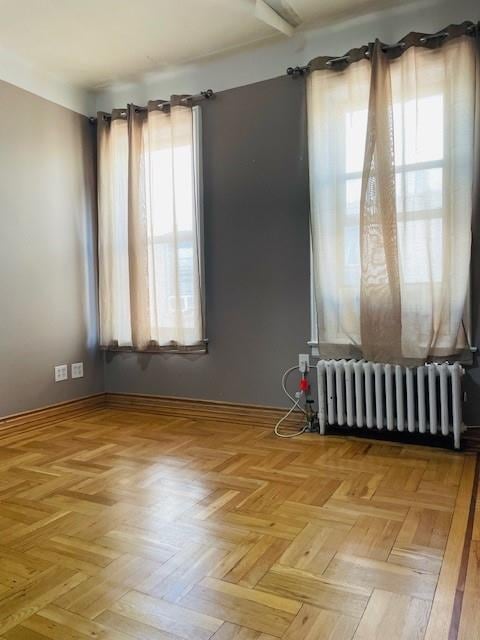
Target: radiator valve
304, 384
310, 414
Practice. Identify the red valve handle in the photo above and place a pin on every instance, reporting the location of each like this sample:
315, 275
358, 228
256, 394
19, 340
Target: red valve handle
304, 385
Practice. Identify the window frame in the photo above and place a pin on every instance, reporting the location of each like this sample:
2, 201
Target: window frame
202, 347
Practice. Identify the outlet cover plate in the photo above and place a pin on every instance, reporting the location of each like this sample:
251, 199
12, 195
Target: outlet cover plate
61, 372
304, 362
77, 370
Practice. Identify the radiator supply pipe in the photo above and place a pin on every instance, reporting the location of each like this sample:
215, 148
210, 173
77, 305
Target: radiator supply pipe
303, 392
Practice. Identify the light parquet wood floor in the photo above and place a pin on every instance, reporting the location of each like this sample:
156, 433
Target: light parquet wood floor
119, 525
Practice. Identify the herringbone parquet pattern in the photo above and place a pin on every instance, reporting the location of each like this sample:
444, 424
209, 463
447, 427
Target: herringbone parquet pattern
120, 525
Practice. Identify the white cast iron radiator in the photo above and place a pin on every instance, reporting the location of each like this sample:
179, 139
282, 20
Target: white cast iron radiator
423, 399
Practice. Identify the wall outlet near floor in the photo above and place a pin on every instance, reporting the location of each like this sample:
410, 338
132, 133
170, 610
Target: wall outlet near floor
304, 362
61, 372
77, 370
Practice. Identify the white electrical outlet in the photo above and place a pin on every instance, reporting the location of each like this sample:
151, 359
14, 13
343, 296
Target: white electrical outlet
61, 372
77, 370
304, 362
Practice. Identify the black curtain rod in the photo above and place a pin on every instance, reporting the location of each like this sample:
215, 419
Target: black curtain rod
426, 39
203, 95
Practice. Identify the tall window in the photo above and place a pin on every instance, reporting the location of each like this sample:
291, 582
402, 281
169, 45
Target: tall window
432, 107
150, 228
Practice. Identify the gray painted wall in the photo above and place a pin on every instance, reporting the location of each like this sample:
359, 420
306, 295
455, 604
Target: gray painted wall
471, 383
256, 206
47, 258
257, 258
256, 246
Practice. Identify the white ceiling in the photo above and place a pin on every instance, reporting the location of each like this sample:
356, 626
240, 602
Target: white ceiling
93, 43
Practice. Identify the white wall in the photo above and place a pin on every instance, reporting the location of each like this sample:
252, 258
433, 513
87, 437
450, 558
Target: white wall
250, 65
16, 71
272, 59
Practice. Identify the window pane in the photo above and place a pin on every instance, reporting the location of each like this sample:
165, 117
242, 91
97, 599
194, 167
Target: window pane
421, 250
163, 208
418, 130
355, 135
351, 256
185, 275
420, 190
353, 193
170, 269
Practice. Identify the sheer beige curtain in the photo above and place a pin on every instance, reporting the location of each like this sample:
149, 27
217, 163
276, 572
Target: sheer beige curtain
391, 174
380, 314
337, 105
434, 94
149, 228
113, 256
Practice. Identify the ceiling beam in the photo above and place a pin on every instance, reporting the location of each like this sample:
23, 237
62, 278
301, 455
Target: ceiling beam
265, 13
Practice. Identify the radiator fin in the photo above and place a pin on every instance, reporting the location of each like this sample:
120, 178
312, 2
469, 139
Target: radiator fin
424, 399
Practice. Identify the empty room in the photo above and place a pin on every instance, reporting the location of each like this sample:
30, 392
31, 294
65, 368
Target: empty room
239, 320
